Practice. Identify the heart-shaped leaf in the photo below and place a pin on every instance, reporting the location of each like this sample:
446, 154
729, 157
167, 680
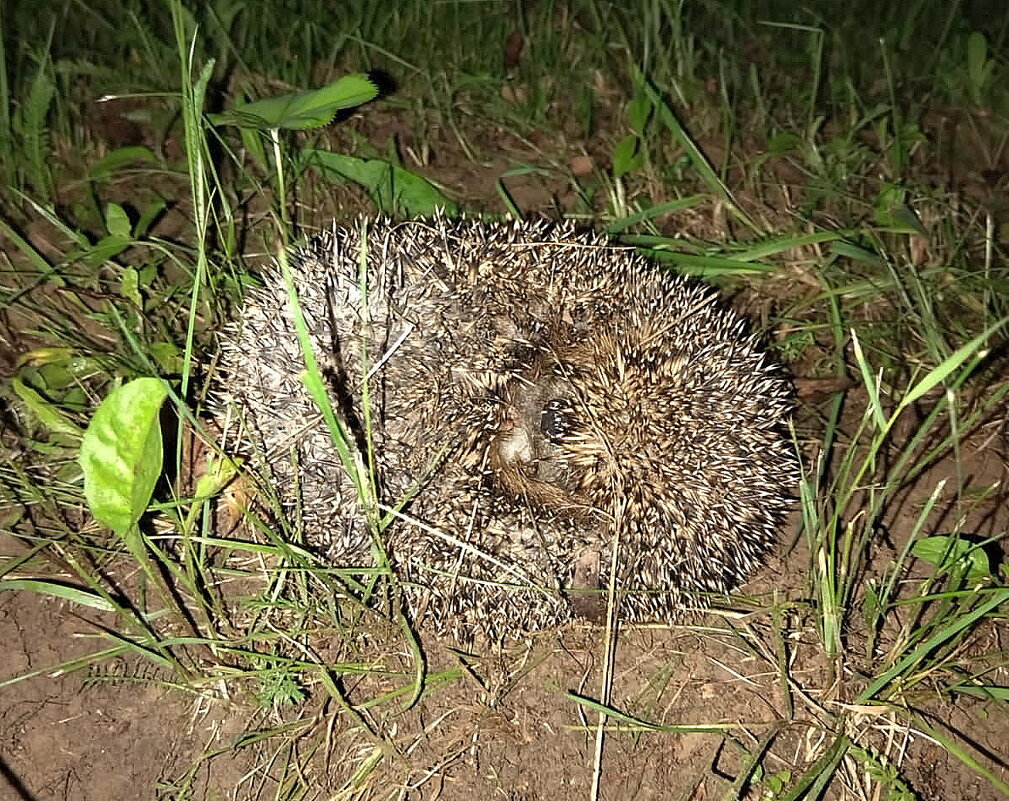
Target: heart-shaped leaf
121, 453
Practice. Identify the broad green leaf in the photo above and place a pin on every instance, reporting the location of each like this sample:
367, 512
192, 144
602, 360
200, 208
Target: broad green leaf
978, 65
121, 453
117, 221
392, 188
944, 551
301, 110
218, 473
253, 144
627, 156
44, 355
167, 355
150, 213
58, 367
638, 112
129, 287
901, 220
891, 211
103, 250
47, 413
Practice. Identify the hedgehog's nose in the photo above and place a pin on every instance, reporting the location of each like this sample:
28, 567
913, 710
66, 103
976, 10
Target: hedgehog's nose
557, 419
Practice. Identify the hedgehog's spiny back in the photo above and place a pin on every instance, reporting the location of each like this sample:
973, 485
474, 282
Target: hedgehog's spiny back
547, 391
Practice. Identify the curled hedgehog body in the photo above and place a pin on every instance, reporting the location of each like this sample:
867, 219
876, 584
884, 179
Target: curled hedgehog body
541, 398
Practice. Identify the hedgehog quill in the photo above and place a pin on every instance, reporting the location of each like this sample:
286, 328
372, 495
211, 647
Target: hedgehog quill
541, 397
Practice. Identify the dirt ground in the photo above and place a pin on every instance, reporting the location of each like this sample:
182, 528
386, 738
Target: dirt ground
505, 728
63, 737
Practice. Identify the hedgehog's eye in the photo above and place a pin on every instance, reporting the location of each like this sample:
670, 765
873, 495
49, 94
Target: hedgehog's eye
557, 419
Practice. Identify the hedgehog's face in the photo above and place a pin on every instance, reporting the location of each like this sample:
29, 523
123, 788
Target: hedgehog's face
622, 417
593, 422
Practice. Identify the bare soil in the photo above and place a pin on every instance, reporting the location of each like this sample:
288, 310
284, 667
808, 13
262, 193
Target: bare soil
118, 737
506, 727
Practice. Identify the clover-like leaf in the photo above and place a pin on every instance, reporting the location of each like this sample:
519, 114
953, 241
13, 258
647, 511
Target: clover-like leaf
301, 111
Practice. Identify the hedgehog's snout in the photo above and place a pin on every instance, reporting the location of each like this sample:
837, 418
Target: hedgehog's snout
527, 450
557, 419
529, 437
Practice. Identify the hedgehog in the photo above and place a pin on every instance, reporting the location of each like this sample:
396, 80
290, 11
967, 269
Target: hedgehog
543, 408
